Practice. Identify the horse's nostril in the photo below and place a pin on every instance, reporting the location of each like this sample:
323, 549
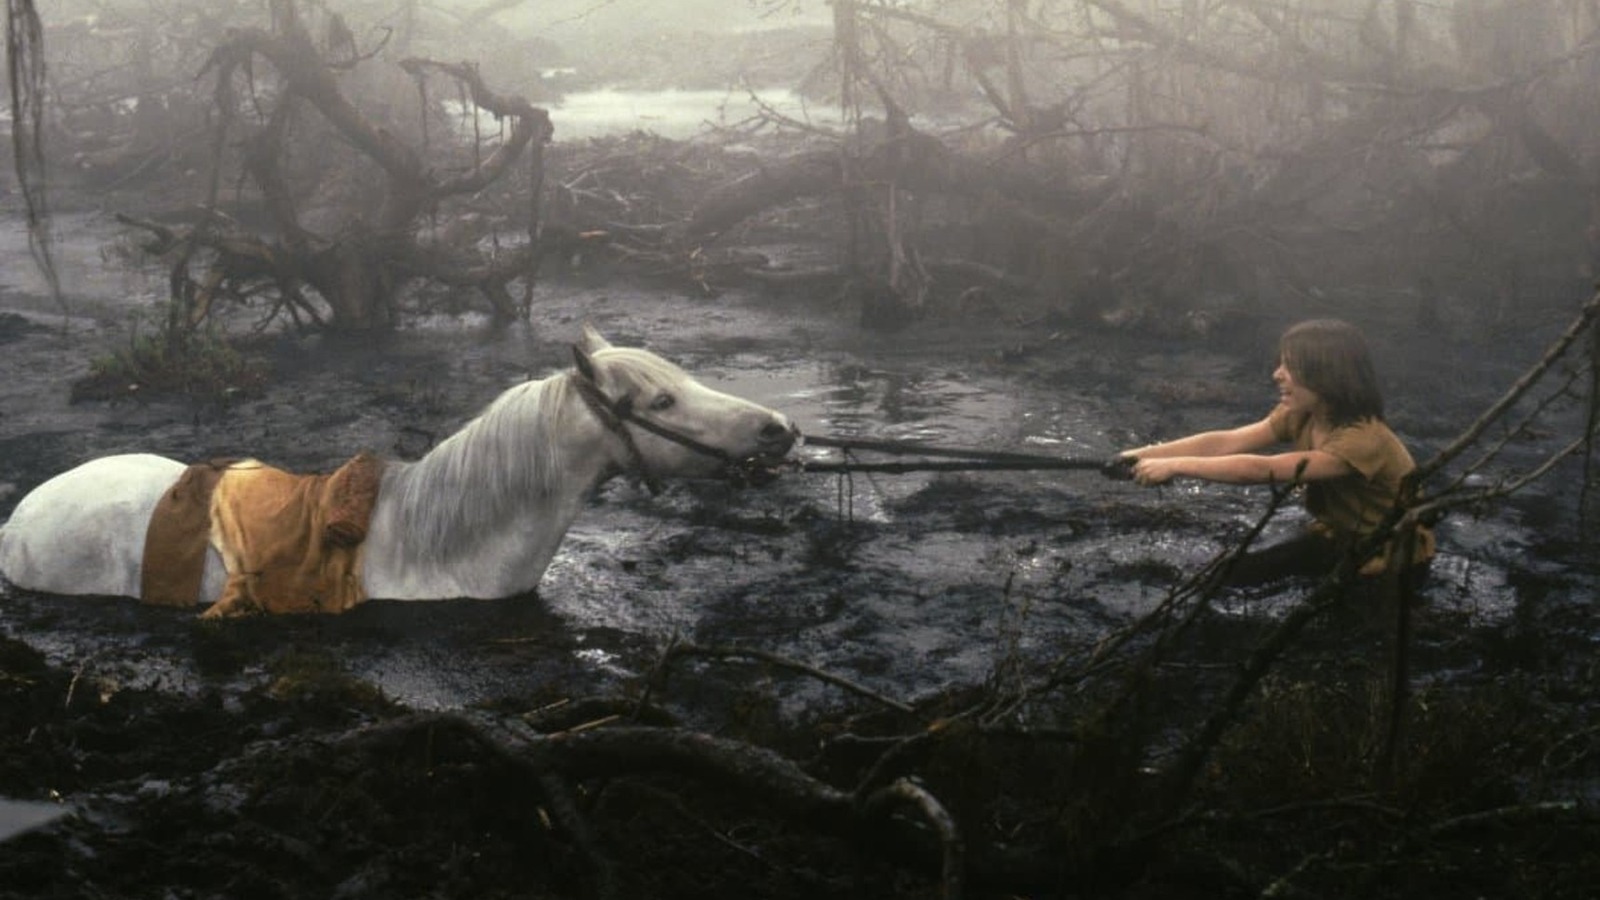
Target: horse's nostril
776, 432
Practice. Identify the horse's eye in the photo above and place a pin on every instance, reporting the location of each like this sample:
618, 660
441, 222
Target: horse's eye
663, 402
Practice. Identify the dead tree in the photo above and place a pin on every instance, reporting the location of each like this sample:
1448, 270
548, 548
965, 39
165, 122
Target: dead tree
1245, 151
25, 70
357, 266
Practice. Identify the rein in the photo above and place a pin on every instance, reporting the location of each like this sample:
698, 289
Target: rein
953, 459
617, 415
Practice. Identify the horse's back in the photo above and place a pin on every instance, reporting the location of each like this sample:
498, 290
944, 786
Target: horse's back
83, 531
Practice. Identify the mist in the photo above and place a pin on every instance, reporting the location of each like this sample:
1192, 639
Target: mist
886, 613
1114, 160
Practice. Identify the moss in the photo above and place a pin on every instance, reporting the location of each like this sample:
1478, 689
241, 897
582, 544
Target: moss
199, 363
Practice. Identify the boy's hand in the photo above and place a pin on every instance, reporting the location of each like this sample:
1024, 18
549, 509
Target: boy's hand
1119, 468
1150, 472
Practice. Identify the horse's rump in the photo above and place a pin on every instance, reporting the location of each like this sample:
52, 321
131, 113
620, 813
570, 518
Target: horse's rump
290, 543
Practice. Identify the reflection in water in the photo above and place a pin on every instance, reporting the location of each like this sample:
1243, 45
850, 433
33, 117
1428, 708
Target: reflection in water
675, 114
88, 280
853, 400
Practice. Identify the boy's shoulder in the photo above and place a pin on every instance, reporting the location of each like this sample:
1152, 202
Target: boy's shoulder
1287, 425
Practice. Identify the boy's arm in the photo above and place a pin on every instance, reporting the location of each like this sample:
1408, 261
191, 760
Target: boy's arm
1244, 468
1244, 439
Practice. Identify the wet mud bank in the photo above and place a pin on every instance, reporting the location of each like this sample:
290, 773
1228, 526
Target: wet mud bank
261, 757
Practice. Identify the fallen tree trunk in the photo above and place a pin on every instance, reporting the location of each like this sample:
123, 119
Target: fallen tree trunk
912, 160
748, 770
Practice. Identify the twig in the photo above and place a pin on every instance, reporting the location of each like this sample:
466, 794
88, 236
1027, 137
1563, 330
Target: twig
1546, 763
77, 675
1506, 815
901, 748
1524, 384
1511, 434
1591, 429
770, 114
1192, 755
1197, 590
1280, 886
1436, 505
657, 674
1207, 817
1400, 666
679, 807
775, 659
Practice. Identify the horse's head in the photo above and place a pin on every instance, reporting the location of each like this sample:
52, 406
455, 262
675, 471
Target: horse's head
667, 423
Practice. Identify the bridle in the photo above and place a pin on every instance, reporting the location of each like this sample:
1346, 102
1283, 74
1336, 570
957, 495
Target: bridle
616, 415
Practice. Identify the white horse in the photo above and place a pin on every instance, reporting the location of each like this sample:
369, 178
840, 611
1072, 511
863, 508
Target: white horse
479, 516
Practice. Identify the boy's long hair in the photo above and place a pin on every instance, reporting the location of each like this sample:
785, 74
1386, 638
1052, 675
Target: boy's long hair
1330, 357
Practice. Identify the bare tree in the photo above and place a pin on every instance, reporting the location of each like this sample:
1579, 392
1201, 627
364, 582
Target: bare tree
1154, 154
343, 263
25, 68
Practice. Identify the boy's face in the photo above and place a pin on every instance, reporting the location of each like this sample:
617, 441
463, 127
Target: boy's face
1296, 396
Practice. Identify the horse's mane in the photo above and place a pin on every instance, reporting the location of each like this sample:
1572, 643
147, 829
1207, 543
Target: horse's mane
499, 461
503, 460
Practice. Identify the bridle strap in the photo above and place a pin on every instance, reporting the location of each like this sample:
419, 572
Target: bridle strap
616, 415
624, 411
608, 415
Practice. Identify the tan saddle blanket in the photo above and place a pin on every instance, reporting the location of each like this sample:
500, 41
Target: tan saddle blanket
290, 543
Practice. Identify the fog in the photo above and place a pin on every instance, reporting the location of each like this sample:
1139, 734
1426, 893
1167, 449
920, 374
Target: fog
1114, 158
292, 230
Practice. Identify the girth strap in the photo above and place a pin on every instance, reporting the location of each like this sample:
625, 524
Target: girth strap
172, 569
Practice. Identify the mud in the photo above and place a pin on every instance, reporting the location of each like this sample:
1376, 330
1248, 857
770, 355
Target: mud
189, 753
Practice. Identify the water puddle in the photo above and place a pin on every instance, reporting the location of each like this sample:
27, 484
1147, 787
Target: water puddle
679, 114
90, 282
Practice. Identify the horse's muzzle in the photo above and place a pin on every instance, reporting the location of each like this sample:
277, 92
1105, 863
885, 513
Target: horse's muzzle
778, 437
763, 467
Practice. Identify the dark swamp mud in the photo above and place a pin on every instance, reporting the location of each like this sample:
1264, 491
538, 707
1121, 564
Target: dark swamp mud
364, 755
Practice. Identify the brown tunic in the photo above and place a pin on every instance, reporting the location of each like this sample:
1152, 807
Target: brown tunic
1354, 505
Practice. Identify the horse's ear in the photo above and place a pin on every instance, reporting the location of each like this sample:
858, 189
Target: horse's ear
584, 363
592, 340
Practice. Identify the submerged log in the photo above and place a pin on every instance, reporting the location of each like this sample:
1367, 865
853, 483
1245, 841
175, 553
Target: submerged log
808, 175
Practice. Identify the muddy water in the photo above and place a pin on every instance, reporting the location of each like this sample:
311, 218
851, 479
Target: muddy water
90, 284
676, 114
908, 584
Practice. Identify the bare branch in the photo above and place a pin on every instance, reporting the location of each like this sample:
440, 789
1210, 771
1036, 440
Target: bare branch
695, 650
1584, 320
